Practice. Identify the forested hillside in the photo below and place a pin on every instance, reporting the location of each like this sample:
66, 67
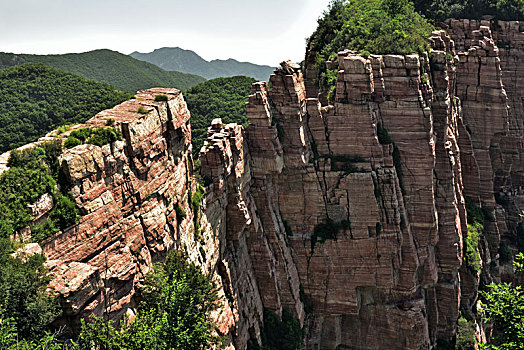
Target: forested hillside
177, 59
439, 10
110, 67
217, 98
35, 99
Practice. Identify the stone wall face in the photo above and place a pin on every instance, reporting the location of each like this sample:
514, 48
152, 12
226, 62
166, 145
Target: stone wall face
350, 215
368, 192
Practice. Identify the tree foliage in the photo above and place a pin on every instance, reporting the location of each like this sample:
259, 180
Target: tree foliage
440, 10
35, 99
175, 313
504, 304
24, 183
24, 304
367, 26
217, 98
95, 136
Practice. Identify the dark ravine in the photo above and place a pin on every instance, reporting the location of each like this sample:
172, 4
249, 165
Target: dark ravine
351, 216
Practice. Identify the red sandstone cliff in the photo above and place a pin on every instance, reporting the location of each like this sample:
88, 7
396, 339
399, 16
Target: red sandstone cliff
350, 215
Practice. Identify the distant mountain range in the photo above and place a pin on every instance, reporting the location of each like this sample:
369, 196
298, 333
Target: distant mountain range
111, 67
187, 61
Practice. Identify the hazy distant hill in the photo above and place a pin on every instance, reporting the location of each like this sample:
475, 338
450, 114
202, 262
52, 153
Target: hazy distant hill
35, 99
111, 67
187, 61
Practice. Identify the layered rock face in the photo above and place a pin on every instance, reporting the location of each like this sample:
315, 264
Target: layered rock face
368, 193
351, 214
496, 133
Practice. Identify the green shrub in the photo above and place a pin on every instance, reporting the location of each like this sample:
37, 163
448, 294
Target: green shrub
180, 214
141, 110
43, 230
160, 98
466, 339
103, 136
285, 334
71, 142
174, 314
95, 136
196, 199
63, 128
81, 133
471, 246
475, 231
23, 284
505, 253
503, 304
110, 122
23, 184
64, 212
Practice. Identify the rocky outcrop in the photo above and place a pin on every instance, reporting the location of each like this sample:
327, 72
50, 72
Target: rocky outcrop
368, 192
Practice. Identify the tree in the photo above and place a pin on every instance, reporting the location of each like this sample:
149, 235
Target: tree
175, 313
504, 304
24, 302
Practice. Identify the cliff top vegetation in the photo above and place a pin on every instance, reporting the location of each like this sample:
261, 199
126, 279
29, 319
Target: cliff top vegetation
367, 26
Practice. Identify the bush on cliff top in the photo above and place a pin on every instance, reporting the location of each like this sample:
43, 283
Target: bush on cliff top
94, 136
367, 26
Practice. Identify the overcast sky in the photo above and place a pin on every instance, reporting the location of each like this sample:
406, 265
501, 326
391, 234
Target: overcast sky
258, 31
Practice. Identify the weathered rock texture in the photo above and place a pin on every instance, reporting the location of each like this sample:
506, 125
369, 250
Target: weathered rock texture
350, 215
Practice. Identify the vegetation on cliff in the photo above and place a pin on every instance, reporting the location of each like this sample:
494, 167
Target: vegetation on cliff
24, 183
366, 26
278, 333
177, 300
504, 305
35, 99
110, 67
94, 136
217, 98
440, 10
25, 307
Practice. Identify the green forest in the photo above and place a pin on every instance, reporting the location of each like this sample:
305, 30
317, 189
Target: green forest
217, 98
440, 10
35, 99
110, 67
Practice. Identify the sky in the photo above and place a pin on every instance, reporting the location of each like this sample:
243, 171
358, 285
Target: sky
258, 31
